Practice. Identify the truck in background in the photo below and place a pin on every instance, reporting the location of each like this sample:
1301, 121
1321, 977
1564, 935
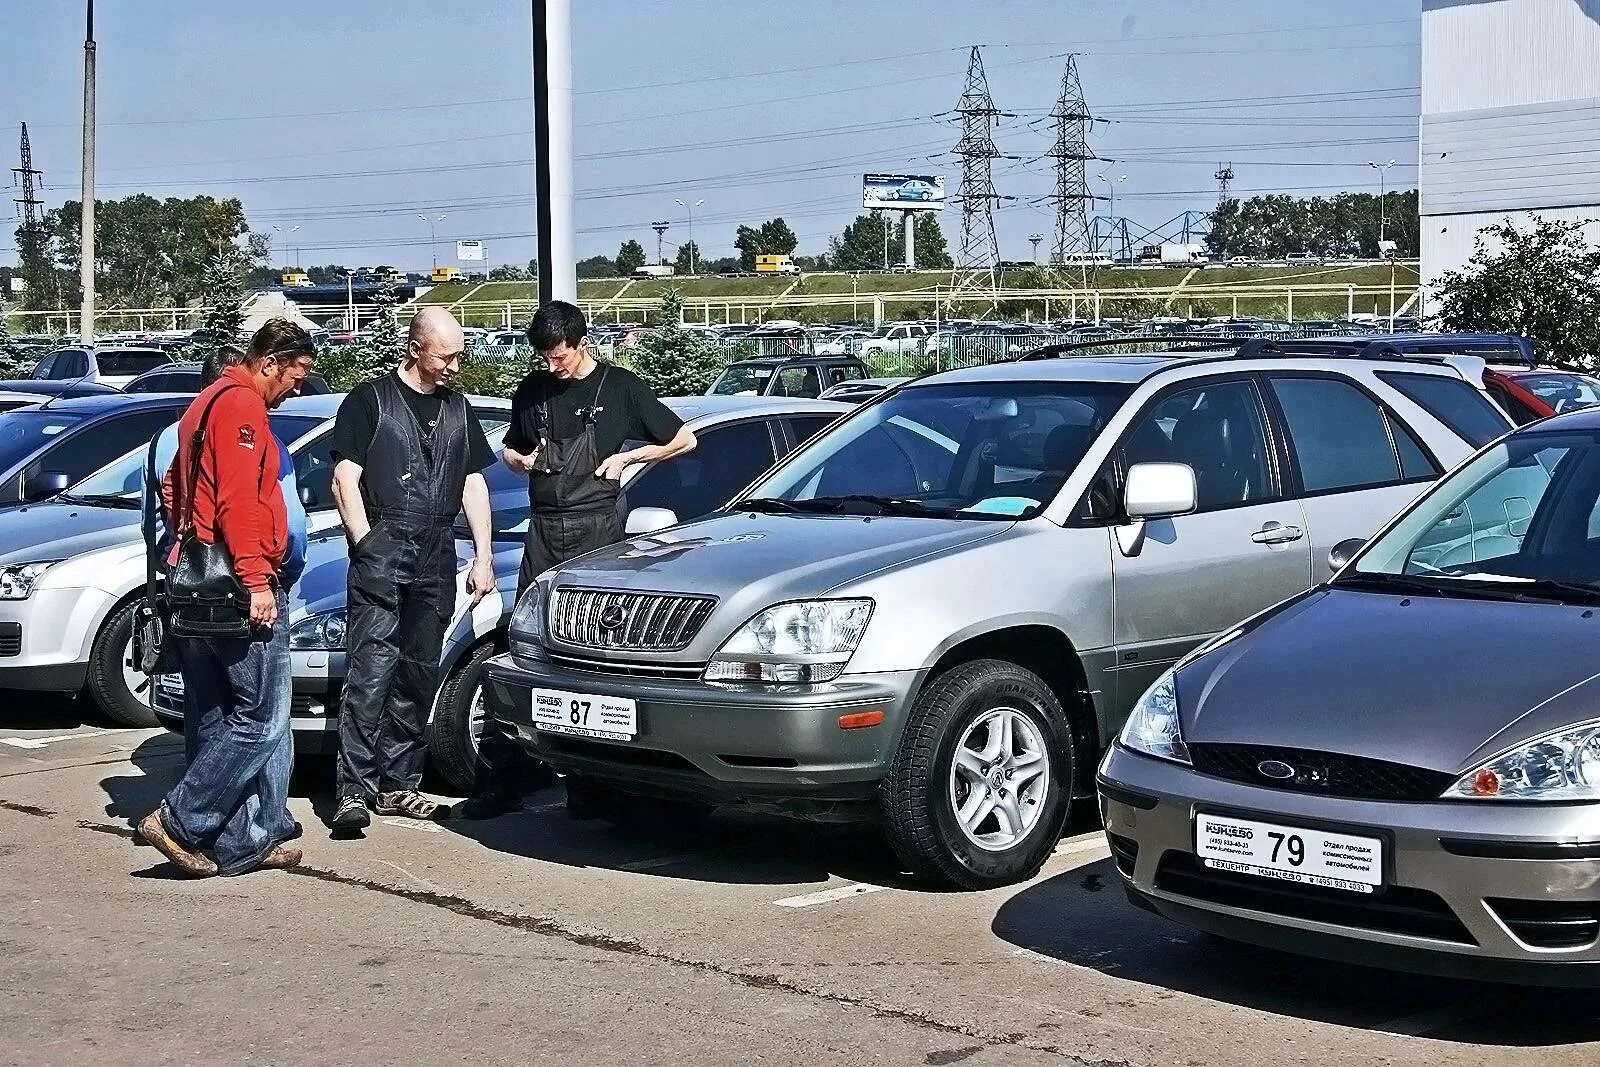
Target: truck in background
655, 270
776, 265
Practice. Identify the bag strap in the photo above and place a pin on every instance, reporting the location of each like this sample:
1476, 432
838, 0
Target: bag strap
148, 522
196, 441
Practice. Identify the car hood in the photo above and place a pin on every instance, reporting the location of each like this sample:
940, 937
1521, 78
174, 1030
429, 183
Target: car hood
1433, 682
781, 556
56, 530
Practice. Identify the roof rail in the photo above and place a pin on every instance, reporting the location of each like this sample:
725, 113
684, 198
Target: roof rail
1432, 349
1203, 341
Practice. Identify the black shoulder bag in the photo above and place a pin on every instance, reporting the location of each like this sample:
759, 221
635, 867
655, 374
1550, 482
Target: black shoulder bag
150, 649
203, 595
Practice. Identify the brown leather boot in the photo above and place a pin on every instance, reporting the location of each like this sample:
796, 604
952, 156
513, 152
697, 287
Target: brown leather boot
281, 857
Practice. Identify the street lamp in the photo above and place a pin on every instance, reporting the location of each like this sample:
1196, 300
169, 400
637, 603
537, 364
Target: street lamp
693, 250
432, 250
1111, 189
290, 233
1382, 214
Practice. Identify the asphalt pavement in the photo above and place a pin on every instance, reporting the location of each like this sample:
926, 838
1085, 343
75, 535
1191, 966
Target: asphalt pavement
536, 939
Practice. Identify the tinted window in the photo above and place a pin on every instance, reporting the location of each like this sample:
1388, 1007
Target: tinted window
805, 427
741, 379
1341, 435
1563, 391
728, 459
122, 364
1219, 432
1453, 402
798, 381
96, 445
23, 433
167, 382
313, 473
74, 364
46, 368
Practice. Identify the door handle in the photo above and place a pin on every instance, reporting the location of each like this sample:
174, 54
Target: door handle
1276, 533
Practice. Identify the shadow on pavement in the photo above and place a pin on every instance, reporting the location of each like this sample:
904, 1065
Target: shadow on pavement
54, 712
1084, 918
729, 847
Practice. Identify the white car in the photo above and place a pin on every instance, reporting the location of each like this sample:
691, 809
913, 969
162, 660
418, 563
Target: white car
112, 365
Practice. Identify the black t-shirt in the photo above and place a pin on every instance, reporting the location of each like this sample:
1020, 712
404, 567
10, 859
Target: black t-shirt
628, 410
357, 422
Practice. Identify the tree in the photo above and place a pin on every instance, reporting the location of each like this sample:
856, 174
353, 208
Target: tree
932, 252
860, 246
331, 274
596, 267
688, 259
1270, 227
630, 257
386, 345
14, 362
508, 272
674, 361
771, 238
149, 252
1541, 282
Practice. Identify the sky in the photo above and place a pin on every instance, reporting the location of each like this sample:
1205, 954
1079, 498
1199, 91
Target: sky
339, 123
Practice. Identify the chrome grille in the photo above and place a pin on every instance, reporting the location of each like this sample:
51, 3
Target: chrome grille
629, 622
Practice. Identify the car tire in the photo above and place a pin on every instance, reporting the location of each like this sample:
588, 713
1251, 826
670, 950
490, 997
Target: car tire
453, 743
921, 794
112, 677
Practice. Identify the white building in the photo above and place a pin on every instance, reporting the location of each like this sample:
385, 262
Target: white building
1510, 119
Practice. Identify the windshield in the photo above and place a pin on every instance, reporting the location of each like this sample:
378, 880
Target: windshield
969, 450
123, 477
22, 433
1563, 392
1521, 518
741, 379
125, 363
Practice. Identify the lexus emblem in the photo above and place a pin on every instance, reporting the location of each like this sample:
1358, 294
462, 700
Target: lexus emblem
612, 618
1272, 768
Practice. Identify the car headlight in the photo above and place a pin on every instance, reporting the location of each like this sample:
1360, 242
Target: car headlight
319, 633
1564, 765
1152, 728
18, 579
799, 642
528, 622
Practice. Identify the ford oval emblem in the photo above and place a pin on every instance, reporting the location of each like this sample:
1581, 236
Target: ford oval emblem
1272, 768
612, 618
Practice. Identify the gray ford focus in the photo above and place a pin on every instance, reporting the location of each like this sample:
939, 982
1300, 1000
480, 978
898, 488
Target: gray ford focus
1401, 766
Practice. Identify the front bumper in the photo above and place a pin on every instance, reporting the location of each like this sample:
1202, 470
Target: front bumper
45, 640
776, 748
318, 679
1471, 890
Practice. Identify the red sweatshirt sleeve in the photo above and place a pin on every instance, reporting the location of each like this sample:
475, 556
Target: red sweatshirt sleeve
238, 434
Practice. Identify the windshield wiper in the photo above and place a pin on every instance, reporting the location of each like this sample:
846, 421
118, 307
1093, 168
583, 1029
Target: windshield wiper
1556, 589
886, 505
101, 500
1466, 587
767, 503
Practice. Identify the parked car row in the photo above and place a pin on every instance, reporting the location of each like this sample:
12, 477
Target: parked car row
942, 613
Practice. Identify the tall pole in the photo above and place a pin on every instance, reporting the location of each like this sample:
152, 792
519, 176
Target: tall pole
911, 239
86, 263
433, 237
886, 228
1034, 239
661, 230
694, 249
1382, 212
552, 149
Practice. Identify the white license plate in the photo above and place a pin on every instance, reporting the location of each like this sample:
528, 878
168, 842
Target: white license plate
1289, 853
561, 712
170, 684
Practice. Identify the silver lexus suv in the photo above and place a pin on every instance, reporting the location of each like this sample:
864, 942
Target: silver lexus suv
938, 613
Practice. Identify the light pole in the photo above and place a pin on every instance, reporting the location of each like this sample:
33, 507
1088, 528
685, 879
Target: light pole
694, 267
86, 229
349, 300
1034, 239
1380, 168
432, 248
661, 229
290, 233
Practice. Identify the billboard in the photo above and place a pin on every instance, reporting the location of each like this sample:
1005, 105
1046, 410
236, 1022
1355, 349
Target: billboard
468, 250
903, 192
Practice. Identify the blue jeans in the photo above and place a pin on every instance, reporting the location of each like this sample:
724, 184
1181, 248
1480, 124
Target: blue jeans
233, 799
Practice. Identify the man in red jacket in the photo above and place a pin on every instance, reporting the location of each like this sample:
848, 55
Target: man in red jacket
232, 800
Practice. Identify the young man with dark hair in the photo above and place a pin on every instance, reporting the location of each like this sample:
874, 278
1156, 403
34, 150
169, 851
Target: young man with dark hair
232, 800
569, 420
410, 455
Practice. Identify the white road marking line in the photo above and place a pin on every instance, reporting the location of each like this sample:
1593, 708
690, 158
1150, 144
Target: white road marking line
411, 824
1425, 1022
40, 742
827, 896
659, 861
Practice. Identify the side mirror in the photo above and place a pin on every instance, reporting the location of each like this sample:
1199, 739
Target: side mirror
1343, 552
45, 484
1159, 490
649, 520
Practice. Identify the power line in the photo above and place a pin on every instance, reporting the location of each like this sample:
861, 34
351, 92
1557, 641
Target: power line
1071, 151
978, 257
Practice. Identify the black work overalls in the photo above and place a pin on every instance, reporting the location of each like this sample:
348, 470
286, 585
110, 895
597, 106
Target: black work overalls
401, 591
571, 510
